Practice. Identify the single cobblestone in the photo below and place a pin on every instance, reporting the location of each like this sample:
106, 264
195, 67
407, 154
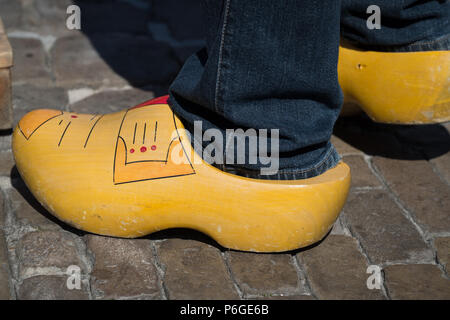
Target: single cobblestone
337, 270
423, 193
45, 17
5, 274
362, 177
47, 251
194, 270
6, 163
111, 101
5, 99
11, 14
5, 291
123, 268
384, 232
264, 274
5, 142
29, 62
50, 288
421, 281
29, 97
443, 252
2, 211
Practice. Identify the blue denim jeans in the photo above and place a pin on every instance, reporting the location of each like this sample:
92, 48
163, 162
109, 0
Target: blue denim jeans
273, 65
406, 25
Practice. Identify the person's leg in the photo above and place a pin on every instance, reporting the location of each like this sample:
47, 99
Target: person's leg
407, 25
268, 65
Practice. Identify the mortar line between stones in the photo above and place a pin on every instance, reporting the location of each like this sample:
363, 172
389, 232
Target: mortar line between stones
436, 259
298, 265
343, 226
442, 268
159, 272
47, 44
362, 189
394, 197
67, 106
385, 289
43, 271
438, 262
439, 234
8, 208
241, 294
88, 259
49, 64
302, 277
363, 252
90, 91
138, 297
351, 154
11, 279
438, 173
46, 41
5, 182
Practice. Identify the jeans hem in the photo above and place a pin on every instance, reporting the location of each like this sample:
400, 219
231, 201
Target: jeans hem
329, 161
441, 43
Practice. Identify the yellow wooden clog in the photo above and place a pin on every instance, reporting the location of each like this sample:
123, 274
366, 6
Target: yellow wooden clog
115, 174
392, 87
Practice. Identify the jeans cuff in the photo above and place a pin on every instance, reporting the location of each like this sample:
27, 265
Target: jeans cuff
441, 43
329, 161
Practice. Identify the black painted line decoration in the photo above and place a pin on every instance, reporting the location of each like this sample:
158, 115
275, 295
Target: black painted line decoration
64, 133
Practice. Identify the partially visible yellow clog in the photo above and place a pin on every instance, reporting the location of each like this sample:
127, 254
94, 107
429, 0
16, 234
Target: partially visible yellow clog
134, 172
399, 88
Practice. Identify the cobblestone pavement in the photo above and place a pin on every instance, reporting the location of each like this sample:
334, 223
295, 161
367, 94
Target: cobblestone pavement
396, 217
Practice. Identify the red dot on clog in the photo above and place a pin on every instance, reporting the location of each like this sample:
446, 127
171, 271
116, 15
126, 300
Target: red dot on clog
131, 150
153, 148
143, 149
74, 116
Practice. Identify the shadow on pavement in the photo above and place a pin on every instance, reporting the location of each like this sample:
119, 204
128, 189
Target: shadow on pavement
145, 42
404, 142
189, 234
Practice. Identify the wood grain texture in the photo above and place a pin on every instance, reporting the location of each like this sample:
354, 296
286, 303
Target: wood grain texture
5, 99
6, 56
2, 27
6, 61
